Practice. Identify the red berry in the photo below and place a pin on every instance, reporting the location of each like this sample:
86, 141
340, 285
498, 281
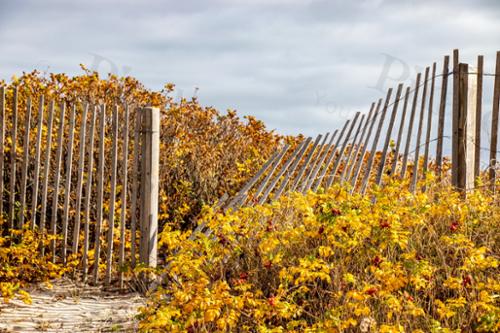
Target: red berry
376, 261
244, 276
467, 280
321, 230
193, 328
384, 224
268, 264
269, 226
272, 301
371, 291
223, 240
454, 226
336, 212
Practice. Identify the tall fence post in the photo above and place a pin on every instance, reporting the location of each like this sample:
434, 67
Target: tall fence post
464, 136
150, 146
494, 126
454, 118
471, 129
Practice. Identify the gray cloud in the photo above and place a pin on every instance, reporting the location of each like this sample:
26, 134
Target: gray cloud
301, 66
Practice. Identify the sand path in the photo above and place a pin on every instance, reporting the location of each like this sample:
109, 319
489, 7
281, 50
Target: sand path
71, 308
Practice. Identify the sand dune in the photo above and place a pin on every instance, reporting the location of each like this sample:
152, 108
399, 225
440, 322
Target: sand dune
71, 308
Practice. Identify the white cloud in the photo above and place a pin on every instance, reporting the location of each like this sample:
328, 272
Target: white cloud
301, 66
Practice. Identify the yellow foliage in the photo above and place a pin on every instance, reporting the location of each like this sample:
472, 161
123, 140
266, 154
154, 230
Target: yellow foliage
345, 264
204, 153
21, 264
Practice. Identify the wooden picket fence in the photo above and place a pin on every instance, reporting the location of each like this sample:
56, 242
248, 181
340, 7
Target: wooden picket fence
89, 184
83, 181
399, 136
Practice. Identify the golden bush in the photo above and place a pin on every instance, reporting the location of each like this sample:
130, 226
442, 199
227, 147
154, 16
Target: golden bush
22, 265
204, 153
335, 262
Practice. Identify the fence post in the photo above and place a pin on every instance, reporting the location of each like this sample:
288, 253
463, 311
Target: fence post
150, 146
494, 126
455, 117
464, 137
471, 129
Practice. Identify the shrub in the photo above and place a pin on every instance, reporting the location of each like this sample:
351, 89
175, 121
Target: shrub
335, 262
21, 264
204, 153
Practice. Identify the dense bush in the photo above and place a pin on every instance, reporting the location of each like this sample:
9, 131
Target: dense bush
335, 262
204, 153
21, 264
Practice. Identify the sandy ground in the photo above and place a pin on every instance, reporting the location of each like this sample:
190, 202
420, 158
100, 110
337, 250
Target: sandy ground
71, 308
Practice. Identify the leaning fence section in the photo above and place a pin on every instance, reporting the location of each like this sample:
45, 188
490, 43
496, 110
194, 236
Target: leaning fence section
437, 124
72, 173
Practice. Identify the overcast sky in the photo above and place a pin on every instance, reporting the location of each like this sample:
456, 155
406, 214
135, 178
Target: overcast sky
301, 66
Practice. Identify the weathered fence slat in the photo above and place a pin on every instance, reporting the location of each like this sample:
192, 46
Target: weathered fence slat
470, 127
203, 226
352, 147
410, 126
400, 133
331, 157
275, 165
242, 194
13, 157
454, 143
429, 120
123, 215
494, 125
336, 166
112, 200
479, 106
315, 161
57, 179
2, 143
371, 159
305, 164
100, 192
46, 173
289, 174
321, 162
25, 165
67, 183
291, 171
383, 158
282, 171
414, 177
465, 134
135, 187
88, 194
36, 174
442, 109
359, 164
79, 181
460, 169
359, 145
